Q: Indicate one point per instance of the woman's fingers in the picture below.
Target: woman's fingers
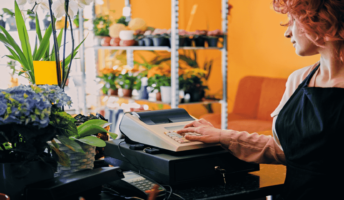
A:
(190, 124)
(187, 130)
(194, 138)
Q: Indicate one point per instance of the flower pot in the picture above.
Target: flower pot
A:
(185, 42)
(12, 23)
(126, 43)
(106, 41)
(127, 92)
(78, 161)
(98, 40)
(148, 41)
(199, 41)
(196, 95)
(141, 42)
(115, 41)
(2, 23)
(160, 41)
(158, 96)
(165, 94)
(46, 23)
(14, 185)
(212, 41)
(113, 92)
(45, 72)
(32, 25)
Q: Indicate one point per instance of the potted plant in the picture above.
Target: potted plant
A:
(199, 37)
(32, 17)
(138, 36)
(148, 38)
(30, 116)
(2, 22)
(184, 38)
(11, 21)
(101, 25)
(46, 21)
(159, 79)
(108, 76)
(127, 80)
(160, 37)
(192, 81)
(213, 37)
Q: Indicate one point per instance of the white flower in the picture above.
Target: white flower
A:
(85, 2)
(21, 2)
(58, 8)
(31, 1)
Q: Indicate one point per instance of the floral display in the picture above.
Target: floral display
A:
(30, 105)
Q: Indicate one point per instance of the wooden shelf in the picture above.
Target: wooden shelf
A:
(150, 48)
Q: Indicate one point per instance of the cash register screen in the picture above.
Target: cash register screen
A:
(174, 128)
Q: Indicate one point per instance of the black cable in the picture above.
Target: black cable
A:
(178, 196)
(169, 191)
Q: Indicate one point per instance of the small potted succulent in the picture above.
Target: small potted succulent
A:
(46, 21)
(160, 37)
(213, 37)
(2, 22)
(138, 35)
(184, 38)
(127, 80)
(11, 21)
(101, 25)
(199, 37)
(148, 38)
(32, 22)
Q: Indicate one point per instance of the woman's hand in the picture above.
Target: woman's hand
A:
(208, 133)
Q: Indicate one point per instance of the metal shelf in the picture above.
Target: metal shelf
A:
(160, 102)
(151, 48)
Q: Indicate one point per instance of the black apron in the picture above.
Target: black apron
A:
(310, 128)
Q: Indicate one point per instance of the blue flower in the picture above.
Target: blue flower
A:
(3, 108)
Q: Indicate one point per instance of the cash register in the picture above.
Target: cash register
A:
(152, 147)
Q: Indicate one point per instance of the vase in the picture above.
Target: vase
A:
(12, 23)
(212, 41)
(112, 92)
(158, 96)
(14, 186)
(78, 161)
(165, 94)
(45, 72)
(127, 92)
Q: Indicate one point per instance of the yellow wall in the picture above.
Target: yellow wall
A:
(256, 45)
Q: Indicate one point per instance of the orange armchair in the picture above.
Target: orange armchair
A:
(257, 97)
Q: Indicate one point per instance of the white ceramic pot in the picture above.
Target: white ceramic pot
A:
(165, 94)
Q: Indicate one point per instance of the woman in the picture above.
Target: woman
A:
(308, 124)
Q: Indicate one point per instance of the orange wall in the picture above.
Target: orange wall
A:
(256, 45)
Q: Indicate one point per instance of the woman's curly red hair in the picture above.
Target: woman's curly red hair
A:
(324, 18)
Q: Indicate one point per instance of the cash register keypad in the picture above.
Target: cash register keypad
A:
(179, 138)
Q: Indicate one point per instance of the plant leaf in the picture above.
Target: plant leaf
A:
(92, 140)
(90, 130)
(44, 44)
(38, 29)
(74, 146)
(55, 144)
(24, 39)
(95, 122)
(113, 135)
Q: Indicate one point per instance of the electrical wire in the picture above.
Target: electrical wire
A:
(178, 196)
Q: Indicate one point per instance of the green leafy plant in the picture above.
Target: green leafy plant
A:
(122, 20)
(8, 12)
(126, 81)
(76, 20)
(157, 81)
(101, 25)
(12, 65)
(110, 82)
(41, 51)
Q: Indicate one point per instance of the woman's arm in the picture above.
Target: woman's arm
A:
(247, 147)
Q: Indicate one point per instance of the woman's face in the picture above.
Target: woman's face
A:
(302, 44)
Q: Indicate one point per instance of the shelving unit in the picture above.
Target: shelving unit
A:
(174, 54)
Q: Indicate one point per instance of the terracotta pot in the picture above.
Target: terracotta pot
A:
(127, 92)
(158, 96)
(113, 92)
(106, 41)
(115, 41)
(126, 43)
